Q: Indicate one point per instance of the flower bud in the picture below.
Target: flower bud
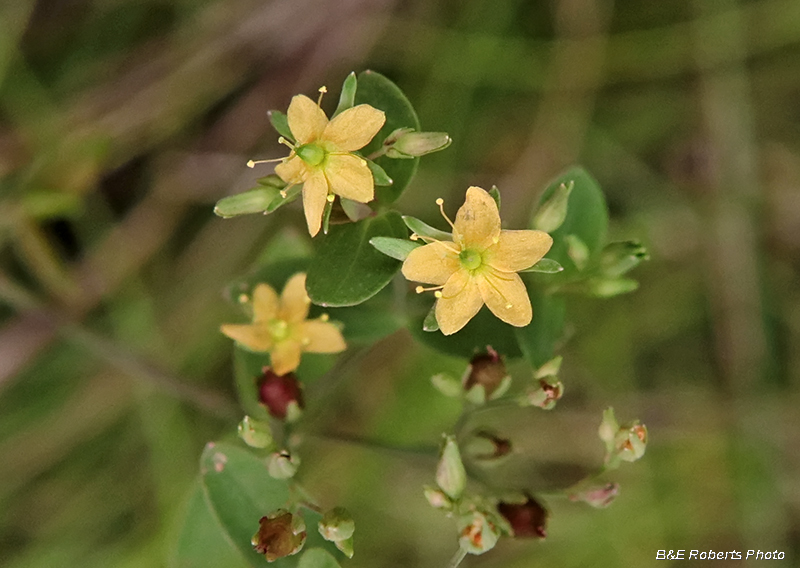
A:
(598, 497)
(279, 534)
(621, 257)
(477, 534)
(577, 251)
(608, 427)
(281, 394)
(255, 434)
(487, 446)
(437, 499)
(451, 476)
(551, 213)
(527, 519)
(552, 367)
(486, 377)
(410, 144)
(337, 525)
(601, 287)
(545, 394)
(282, 465)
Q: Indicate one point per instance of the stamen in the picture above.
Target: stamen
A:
(324, 317)
(283, 193)
(322, 90)
(414, 236)
(508, 305)
(252, 163)
(243, 298)
(330, 197)
(434, 289)
(285, 142)
(440, 203)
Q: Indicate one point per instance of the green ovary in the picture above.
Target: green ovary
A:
(278, 329)
(311, 154)
(470, 259)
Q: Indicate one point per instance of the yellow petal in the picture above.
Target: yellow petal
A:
(322, 337)
(431, 264)
(460, 301)
(306, 119)
(315, 195)
(478, 220)
(265, 303)
(254, 337)
(292, 170)
(285, 356)
(354, 128)
(506, 296)
(349, 176)
(518, 250)
(294, 299)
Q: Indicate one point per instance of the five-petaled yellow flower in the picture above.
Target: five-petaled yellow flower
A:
(478, 266)
(322, 157)
(280, 326)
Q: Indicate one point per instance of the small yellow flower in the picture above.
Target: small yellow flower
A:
(479, 266)
(280, 326)
(322, 157)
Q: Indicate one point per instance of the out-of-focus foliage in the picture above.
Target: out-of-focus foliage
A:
(122, 123)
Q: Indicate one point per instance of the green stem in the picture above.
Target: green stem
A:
(376, 445)
(457, 558)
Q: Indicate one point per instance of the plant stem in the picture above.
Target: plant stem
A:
(457, 558)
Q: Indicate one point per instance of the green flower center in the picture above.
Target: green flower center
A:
(470, 259)
(311, 154)
(278, 329)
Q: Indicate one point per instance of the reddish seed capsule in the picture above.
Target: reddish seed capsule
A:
(528, 520)
(486, 369)
(277, 392)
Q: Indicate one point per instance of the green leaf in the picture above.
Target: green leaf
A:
(317, 558)
(539, 338)
(586, 218)
(482, 330)
(280, 123)
(240, 491)
(254, 201)
(291, 194)
(379, 174)
(376, 90)
(422, 229)
(202, 542)
(345, 269)
(545, 266)
(348, 95)
(396, 248)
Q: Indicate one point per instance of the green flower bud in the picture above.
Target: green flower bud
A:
(551, 213)
(552, 367)
(282, 465)
(255, 434)
(410, 144)
(607, 287)
(437, 499)
(597, 497)
(577, 251)
(345, 546)
(621, 257)
(451, 476)
(608, 427)
(477, 534)
(337, 525)
(253, 201)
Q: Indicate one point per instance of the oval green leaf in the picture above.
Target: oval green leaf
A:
(538, 339)
(345, 269)
(396, 248)
(376, 90)
(317, 558)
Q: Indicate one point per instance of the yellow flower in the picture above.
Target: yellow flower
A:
(478, 266)
(322, 157)
(280, 326)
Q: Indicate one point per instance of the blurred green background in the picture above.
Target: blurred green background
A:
(122, 122)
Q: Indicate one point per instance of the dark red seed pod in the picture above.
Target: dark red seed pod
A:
(528, 520)
(277, 392)
(485, 369)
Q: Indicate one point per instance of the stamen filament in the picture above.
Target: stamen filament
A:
(434, 289)
(252, 163)
(509, 305)
(285, 142)
(322, 90)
